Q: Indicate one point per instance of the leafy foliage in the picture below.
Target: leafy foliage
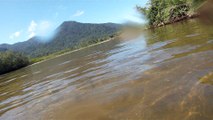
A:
(163, 11)
(10, 61)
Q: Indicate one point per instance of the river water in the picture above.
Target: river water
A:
(162, 74)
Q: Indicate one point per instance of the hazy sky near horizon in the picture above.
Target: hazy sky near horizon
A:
(23, 19)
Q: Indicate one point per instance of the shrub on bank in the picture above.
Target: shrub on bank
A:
(10, 61)
(161, 12)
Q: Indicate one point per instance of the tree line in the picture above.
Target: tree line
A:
(161, 12)
(10, 61)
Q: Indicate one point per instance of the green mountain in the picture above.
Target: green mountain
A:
(69, 35)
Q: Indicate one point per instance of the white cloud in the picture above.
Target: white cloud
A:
(44, 27)
(32, 29)
(41, 28)
(32, 34)
(78, 13)
(15, 35)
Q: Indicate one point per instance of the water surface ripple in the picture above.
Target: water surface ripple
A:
(163, 74)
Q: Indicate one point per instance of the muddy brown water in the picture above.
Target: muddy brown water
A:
(163, 74)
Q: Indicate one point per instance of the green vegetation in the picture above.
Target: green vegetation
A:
(10, 61)
(161, 12)
(69, 35)
(81, 45)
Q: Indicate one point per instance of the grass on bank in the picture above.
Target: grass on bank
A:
(80, 46)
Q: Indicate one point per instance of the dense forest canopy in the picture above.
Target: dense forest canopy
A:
(160, 12)
(10, 61)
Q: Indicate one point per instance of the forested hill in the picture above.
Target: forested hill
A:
(69, 35)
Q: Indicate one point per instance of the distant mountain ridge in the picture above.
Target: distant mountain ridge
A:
(68, 35)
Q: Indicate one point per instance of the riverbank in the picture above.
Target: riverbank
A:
(188, 17)
(61, 53)
(64, 52)
(38, 60)
(11, 61)
(160, 13)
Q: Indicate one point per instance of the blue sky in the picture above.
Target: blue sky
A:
(23, 19)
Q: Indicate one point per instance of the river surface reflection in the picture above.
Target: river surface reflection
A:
(163, 74)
